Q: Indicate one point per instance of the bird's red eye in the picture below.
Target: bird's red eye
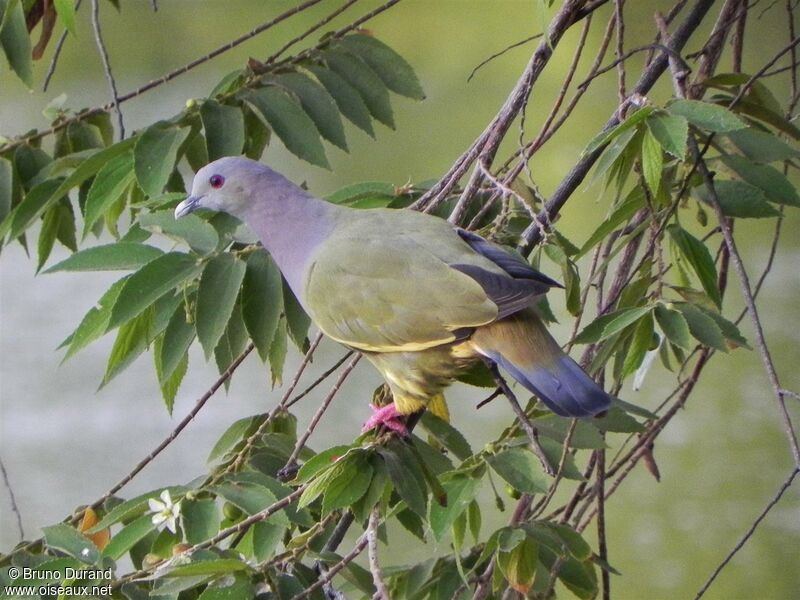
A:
(216, 181)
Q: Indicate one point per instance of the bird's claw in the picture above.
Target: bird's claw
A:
(388, 417)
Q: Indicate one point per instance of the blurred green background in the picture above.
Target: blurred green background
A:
(721, 459)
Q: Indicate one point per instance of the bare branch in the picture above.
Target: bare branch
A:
(57, 53)
(486, 61)
(332, 571)
(382, 592)
(101, 48)
(12, 499)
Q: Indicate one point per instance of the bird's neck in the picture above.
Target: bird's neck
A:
(291, 225)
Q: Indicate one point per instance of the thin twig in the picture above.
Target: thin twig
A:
(332, 571)
(13, 500)
(101, 48)
(486, 61)
(382, 592)
(57, 53)
(749, 533)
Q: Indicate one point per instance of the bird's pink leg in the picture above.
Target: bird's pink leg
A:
(388, 417)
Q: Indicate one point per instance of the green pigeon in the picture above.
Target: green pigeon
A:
(422, 300)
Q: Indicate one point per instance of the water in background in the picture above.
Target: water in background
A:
(64, 443)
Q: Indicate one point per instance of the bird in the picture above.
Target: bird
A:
(422, 300)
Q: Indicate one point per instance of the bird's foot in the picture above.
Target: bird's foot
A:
(388, 417)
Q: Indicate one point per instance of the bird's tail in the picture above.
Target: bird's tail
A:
(521, 345)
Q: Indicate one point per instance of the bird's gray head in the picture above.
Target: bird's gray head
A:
(226, 185)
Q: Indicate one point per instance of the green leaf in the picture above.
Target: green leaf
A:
(237, 588)
(128, 536)
(729, 329)
(6, 187)
(604, 137)
(652, 162)
(297, 321)
(739, 199)
(277, 352)
(200, 519)
(233, 341)
(674, 326)
(347, 99)
(671, 131)
(170, 384)
(640, 344)
(447, 435)
(320, 461)
(198, 234)
(15, 40)
(775, 185)
(47, 192)
(291, 124)
(619, 215)
(584, 436)
(521, 469)
(699, 258)
(107, 188)
(518, 566)
(762, 146)
(148, 284)
(51, 224)
(155, 155)
(607, 325)
(579, 578)
(121, 256)
(392, 68)
(216, 297)
(218, 566)
(130, 509)
(460, 491)
(224, 127)
(266, 538)
(95, 322)
(250, 497)
(766, 115)
(406, 477)
(702, 327)
(262, 300)
(318, 104)
(69, 540)
(178, 336)
(352, 477)
(706, 115)
(369, 86)
(65, 9)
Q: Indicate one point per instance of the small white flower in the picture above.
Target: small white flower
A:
(165, 513)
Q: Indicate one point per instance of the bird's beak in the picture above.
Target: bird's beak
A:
(191, 204)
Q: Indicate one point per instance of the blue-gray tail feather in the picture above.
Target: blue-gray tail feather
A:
(565, 388)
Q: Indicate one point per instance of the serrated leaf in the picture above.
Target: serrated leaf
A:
(121, 256)
(761, 146)
(155, 155)
(739, 199)
(406, 477)
(128, 536)
(15, 40)
(775, 185)
(674, 326)
(320, 461)
(216, 296)
(149, 283)
(392, 68)
(729, 329)
(318, 104)
(671, 131)
(95, 322)
(364, 80)
(763, 113)
(706, 115)
(224, 127)
(702, 327)
(108, 186)
(67, 539)
(521, 469)
(178, 336)
(604, 137)
(640, 344)
(447, 435)
(347, 99)
(198, 234)
(200, 519)
(620, 214)
(262, 300)
(354, 474)
(170, 384)
(65, 9)
(607, 325)
(652, 161)
(699, 258)
(291, 124)
(297, 321)
(248, 496)
(460, 491)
